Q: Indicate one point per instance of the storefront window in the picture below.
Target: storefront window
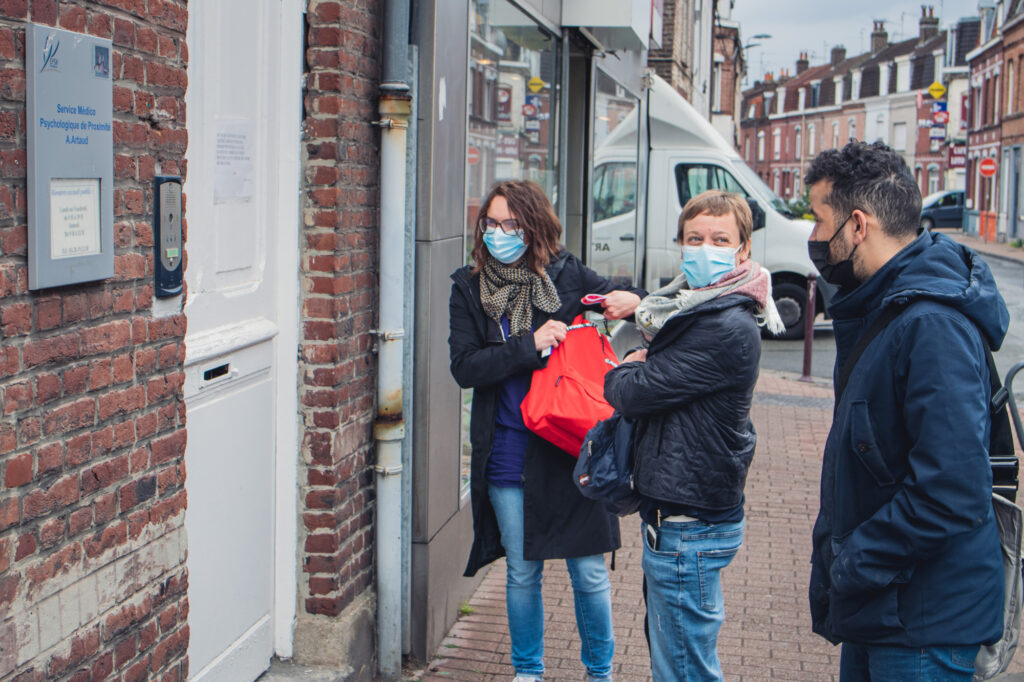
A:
(512, 133)
(614, 187)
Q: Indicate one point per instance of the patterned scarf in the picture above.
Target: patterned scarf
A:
(515, 291)
(748, 279)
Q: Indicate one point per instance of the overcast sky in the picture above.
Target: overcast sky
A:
(814, 26)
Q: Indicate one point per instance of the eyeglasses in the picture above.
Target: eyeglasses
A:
(508, 226)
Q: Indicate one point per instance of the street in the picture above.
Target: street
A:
(787, 356)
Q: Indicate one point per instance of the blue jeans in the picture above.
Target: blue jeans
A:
(685, 609)
(525, 605)
(872, 663)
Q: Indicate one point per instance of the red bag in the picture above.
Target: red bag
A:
(566, 398)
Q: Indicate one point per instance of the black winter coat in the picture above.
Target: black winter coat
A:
(559, 522)
(694, 438)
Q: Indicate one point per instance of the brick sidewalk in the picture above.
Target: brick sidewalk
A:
(767, 632)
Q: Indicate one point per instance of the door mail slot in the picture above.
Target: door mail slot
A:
(219, 371)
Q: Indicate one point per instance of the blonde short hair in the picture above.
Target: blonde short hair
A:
(715, 202)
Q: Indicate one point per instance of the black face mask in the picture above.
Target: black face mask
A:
(841, 273)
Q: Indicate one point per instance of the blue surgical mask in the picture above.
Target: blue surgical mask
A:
(507, 248)
(705, 264)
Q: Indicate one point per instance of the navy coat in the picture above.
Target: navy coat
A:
(906, 550)
(558, 521)
(694, 439)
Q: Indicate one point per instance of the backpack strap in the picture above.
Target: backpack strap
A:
(890, 313)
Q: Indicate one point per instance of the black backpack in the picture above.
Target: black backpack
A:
(604, 469)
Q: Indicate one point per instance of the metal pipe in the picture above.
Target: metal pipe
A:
(394, 107)
(809, 308)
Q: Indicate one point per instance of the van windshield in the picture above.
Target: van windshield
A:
(761, 190)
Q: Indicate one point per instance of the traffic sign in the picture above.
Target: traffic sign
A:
(536, 84)
(936, 90)
(940, 117)
(472, 155)
(529, 110)
(987, 167)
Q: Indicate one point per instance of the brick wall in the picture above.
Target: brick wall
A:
(672, 60)
(339, 259)
(92, 546)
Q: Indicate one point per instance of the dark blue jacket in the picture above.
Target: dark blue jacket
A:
(906, 550)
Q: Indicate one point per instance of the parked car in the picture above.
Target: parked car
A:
(943, 209)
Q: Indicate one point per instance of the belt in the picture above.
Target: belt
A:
(677, 518)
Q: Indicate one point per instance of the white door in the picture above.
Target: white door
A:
(243, 104)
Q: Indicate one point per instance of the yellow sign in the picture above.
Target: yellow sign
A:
(936, 90)
(536, 84)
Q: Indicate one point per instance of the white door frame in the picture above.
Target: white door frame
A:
(290, 78)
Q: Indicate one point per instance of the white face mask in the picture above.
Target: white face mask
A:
(706, 264)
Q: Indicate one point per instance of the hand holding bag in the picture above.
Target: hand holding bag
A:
(566, 398)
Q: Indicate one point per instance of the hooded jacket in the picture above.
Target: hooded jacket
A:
(905, 546)
(558, 521)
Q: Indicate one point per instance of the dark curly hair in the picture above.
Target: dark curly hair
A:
(874, 179)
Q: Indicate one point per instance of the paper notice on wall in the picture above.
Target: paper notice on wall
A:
(234, 165)
(74, 217)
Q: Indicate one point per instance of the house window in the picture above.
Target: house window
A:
(776, 144)
(933, 180)
(852, 124)
(835, 134)
(799, 141)
(899, 137)
(1009, 88)
(777, 182)
(880, 128)
(746, 148)
(760, 146)
(811, 128)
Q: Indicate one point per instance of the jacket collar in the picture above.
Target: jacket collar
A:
(871, 296)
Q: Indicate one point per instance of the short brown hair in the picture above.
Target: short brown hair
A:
(715, 202)
(537, 219)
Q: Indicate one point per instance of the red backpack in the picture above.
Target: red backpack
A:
(566, 398)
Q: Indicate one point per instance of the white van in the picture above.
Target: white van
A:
(687, 156)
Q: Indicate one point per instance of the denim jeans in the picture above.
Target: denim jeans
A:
(685, 608)
(525, 605)
(872, 663)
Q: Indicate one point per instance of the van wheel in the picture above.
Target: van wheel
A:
(790, 299)
(927, 224)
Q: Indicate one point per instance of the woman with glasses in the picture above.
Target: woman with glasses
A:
(507, 311)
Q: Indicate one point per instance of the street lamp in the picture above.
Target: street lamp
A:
(752, 44)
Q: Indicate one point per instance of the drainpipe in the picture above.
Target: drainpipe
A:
(394, 107)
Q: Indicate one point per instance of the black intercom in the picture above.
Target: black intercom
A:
(167, 234)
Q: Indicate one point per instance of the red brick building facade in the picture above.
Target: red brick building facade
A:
(92, 437)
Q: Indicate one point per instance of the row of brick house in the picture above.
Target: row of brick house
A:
(881, 94)
(995, 203)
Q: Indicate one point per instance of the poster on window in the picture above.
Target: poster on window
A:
(504, 104)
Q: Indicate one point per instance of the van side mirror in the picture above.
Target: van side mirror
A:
(757, 212)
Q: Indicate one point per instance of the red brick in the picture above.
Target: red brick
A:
(51, 457)
(18, 470)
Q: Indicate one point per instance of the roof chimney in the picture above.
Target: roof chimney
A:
(802, 64)
(879, 37)
(838, 54)
(929, 23)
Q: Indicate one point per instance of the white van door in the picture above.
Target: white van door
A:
(244, 103)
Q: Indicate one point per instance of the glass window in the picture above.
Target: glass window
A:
(692, 179)
(613, 228)
(810, 139)
(512, 133)
(513, 103)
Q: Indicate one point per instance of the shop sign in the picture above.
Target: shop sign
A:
(508, 147)
(937, 133)
(957, 156)
(532, 125)
(504, 104)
